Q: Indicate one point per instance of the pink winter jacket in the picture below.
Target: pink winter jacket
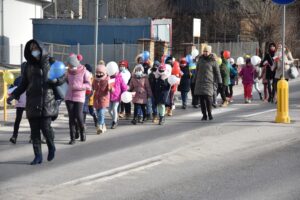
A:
(78, 83)
(101, 93)
(118, 88)
(247, 74)
(142, 88)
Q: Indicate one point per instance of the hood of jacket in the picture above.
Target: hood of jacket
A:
(27, 52)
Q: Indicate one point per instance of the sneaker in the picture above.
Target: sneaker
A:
(133, 122)
(155, 119)
(72, 141)
(104, 128)
(114, 125)
(224, 104)
(127, 116)
(99, 130)
(140, 120)
(121, 115)
(161, 121)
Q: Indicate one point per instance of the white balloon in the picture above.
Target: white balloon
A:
(172, 80)
(195, 53)
(112, 68)
(240, 61)
(126, 97)
(255, 60)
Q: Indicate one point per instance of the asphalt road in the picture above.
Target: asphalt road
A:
(241, 154)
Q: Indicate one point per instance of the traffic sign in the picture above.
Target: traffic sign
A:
(283, 2)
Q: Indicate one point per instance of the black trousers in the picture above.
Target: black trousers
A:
(37, 125)
(222, 91)
(75, 116)
(125, 107)
(136, 110)
(206, 104)
(19, 113)
(230, 90)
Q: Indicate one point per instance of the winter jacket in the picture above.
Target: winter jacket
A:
(225, 72)
(233, 74)
(101, 93)
(247, 74)
(39, 90)
(119, 86)
(288, 59)
(78, 83)
(207, 73)
(269, 64)
(142, 88)
(161, 89)
(151, 79)
(185, 81)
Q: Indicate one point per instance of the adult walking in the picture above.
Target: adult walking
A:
(41, 106)
(207, 72)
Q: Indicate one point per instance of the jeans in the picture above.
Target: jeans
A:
(184, 98)
(154, 106)
(149, 106)
(256, 87)
(75, 117)
(161, 108)
(138, 107)
(113, 110)
(19, 113)
(101, 116)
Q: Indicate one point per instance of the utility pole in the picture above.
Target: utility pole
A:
(96, 33)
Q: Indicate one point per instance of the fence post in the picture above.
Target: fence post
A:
(123, 50)
(78, 48)
(218, 47)
(102, 51)
(51, 50)
(4, 99)
(21, 53)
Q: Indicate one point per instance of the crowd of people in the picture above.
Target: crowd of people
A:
(149, 84)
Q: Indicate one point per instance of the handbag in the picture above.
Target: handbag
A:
(293, 72)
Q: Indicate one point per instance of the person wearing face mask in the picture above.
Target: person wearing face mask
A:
(184, 86)
(141, 86)
(207, 73)
(151, 79)
(101, 90)
(161, 92)
(78, 79)
(41, 106)
(288, 60)
(123, 66)
(268, 73)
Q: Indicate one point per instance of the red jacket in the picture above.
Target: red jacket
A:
(101, 93)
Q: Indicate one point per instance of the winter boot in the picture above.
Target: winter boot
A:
(121, 115)
(161, 120)
(38, 157)
(51, 153)
(127, 116)
(155, 119)
(104, 128)
(148, 116)
(82, 135)
(114, 125)
(100, 129)
(204, 118)
(13, 139)
(224, 104)
(133, 121)
(95, 120)
(140, 119)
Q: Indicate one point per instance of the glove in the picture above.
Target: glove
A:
(53, 81)
(9, 100)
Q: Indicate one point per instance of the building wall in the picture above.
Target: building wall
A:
(17, 27)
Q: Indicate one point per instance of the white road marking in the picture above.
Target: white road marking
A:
(259, 113)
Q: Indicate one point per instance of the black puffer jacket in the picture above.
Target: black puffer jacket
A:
(40, 100)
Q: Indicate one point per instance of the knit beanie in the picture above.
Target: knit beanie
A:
(73, 61)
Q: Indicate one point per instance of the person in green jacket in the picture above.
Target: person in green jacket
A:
(225, 74)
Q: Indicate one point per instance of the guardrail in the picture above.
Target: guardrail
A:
(5, 93)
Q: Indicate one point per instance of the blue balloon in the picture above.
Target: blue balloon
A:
(146, 55)
(57, 70)
(189, 58)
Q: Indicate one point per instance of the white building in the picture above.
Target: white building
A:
(16, 27)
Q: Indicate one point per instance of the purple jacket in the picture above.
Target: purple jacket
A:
(78, 83)
(119, 86)
(247, 74)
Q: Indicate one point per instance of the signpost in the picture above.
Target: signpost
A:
(282, 85)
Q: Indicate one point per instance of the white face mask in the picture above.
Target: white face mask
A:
(73, 68)
(35, 53)
(122, 69)
(139, 73)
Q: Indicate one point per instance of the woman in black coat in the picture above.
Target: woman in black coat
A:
(185, 82)
(41, 106)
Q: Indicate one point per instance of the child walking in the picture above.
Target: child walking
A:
(141, 86)
(247, 74)
(101, 96)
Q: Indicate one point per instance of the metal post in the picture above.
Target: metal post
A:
(96, 32)
(283, 41)
(55, 9)
(21, 53)
(78, 48)
(51, 50)
(102, 51)
(123, 51)
(4, 99)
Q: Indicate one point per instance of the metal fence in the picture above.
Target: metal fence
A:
(236, 49)
(106, 52)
